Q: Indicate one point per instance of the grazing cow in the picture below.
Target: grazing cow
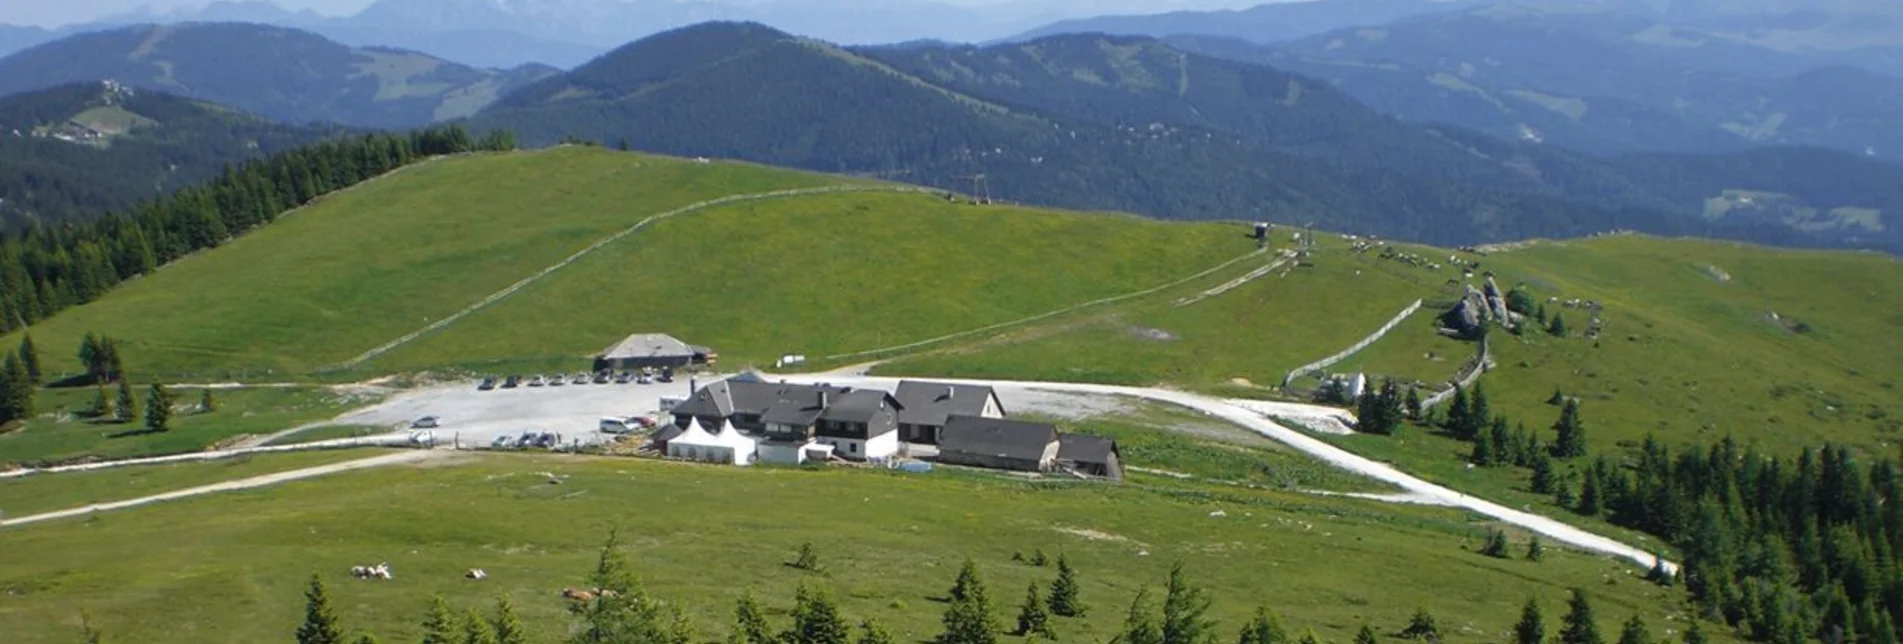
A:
(379, 571)
(577, 595)
(477, 574)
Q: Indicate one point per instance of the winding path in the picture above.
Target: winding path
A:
(1232, 412)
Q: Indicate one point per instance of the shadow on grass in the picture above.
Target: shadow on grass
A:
(135, 432)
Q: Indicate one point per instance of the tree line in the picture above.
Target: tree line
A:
(617, 610)
(46, 269)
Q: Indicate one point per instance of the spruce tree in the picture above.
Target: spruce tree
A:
(1695, 634)
(158, 409)
(1557, 399)
(89, 358)
(1557, 328)
(1484, 453)
(508, 627)
(1502, 440)
(1545, 474)
(30, 358)
(89, 634)
(1184, 610)
(320, 621)
(16, 391)
(1308, 637)
(1264, 628)
(1479, 412)
(1578, 627)
(206, 404)
(1532, 627)
(1571, 442)
(625, 613)
(1540, 313)
(1496, 545)
(1063, 599)
(1535, 551)
(1032, 620)
(125, 407)
(807, 558)
(1563, 493)
(1589, 494)
(870, 632)
(968, 620)
(1634, 632)
(477, 630)
(1138, 626)
(439, 626)
(1414, 403)
(1422, 627)
(1366, 635)
(101, 407)
(1457, 411)
(816, 619)
(749, 626)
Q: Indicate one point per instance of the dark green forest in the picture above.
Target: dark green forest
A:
(45, 269)
(49, 181)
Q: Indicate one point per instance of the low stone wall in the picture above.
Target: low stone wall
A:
(1324, 363)
(1469, 373)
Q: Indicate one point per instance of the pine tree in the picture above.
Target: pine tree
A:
(624, 613)
(1264, 628)
(1496, 545)
(16, 391)
(320, 621)
(1422, 627)
(1184, 610)
(1572, 432)
(158, 409)
(1308, 637)
(1138, 626)
(1557, 399)
(1457, 411)
(1557, 328)
(89, 358)
(1038, 559)
(1502, 440)
(1540, 313)
(477, 630)
(816, 620)
(1532, 627)
(968, 620)
(1634, 632)
(101, 407)
(1366, 635)
(509, 628)
(1545, 475)
(1659, 574)
(1484, 453)
(1064, 601)
(807, 559)
(439, 627)
(749, 626)
(1032, 620)
(1589, 494)
(1414, 403)
(206, 404)
(89, 634)
(1535, 551)
(30, 358)
(870, 632)
(1563, 493)
(1479, 412)
(1695, 634)
(125, 406)
(1578, 627)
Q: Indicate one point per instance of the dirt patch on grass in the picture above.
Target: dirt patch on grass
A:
(1097, 535)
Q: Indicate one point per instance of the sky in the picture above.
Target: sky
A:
(53, 13)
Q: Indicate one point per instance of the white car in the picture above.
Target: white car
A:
(612, 425)
(427, 422)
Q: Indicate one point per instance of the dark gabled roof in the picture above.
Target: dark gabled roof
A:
(1084, 448)
(792, 412)
(668, 432)
(996, 437)
(860, 406)
(715, 400)
(930, 403)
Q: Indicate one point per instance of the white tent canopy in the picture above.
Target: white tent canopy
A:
(695, 444)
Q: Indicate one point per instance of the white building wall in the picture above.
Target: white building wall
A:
(782, 453)
(992, 408)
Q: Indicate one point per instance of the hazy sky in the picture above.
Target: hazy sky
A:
(50, 13)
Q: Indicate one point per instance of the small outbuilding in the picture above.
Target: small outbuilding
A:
(654, 350)
(998, 443)
(1090, 455)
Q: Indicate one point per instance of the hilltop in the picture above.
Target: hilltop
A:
(70, 153)
(283, 74)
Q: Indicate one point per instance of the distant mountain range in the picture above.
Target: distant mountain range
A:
(1132, 124)
(71, 152)
(1265, 23)
(284, 74)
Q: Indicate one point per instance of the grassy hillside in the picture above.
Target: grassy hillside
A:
(814, 274)
(36, 493)
(63, 431)
(889, 543)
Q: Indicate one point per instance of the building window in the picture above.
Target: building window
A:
(852, 448)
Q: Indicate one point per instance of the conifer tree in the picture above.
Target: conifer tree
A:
(1308, 637)
(1184, 610)
(749, 626)
(816, 619)
(1545, 475)
(89, 357)
(507, 626)
(807, 558)
(1557, 398)
(1535, 551)
(89, 634)
(1695, 634)
(1589, 494)
(366, 638)
(1264, 628)
(1557, 328)
(1502, 440)
(1578, 627)
(158, 409)
(968, 620)
(1413, 403)
(1563, 493)
(1138, 626)
(870, 632)
(1366, 635)
(1479, 412)
(1532, 627)
(30, 358)
(439, 626)
(16, 391)
(624, 613)
(1422, 627)
(1496, 544)
(477, 630)
(1457, 411)
(1571, 442)
(1484, 453)
(101, 407)
(1540, 313)
(1063, 598)
(320, 620)
(1634, 632)
(125, 407)
(206, 404)
(1032, 620)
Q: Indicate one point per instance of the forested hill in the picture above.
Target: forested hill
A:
(283, 74)
(73, 152)
(1126, 123)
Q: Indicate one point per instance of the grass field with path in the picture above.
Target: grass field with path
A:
(61, 431)
(36, 493)
(701, 536)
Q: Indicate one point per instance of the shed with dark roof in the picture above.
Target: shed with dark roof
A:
(998, 443)
(1092, 455)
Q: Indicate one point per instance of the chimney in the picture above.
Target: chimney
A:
(822, 399)
(693, 387)
(949, 390)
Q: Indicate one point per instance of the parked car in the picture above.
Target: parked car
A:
(612, 425)
(624, 378)
(502, 442)
(602, 377)
(488, 383)
(644, 380)
(667, 374)
(581, 378)
(557, 380)
(527, 440)
(427, 422)
(536, 381)
(511, 382)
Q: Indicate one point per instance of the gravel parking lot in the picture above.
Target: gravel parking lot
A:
(473, 416)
